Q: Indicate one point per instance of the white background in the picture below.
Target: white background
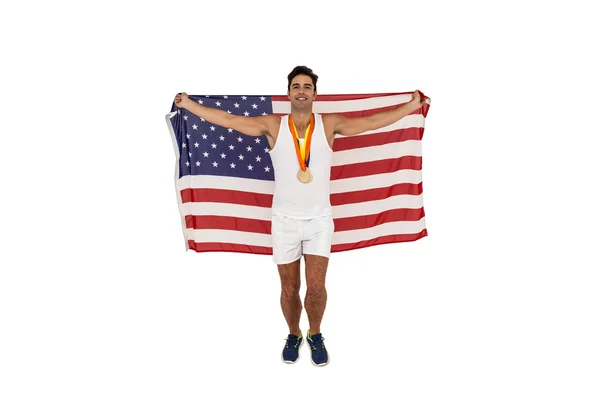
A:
(99, 300)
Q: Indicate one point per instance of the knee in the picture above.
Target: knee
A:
(290, 288)
(315, 287)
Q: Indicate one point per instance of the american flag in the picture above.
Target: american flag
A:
(224, 179)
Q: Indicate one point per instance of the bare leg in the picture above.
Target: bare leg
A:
(291, 305)
(316, 294)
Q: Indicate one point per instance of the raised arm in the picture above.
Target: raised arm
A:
(253, 126)
(346, 126)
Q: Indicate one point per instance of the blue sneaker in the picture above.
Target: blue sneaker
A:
(319, 357)
(290, 351)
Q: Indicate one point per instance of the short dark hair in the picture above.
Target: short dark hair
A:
(302, 70)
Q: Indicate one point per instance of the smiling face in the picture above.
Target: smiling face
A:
(302, 93)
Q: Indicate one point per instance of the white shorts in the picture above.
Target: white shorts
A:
(291, 237)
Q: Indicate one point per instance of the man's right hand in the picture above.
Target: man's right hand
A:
(181, 99)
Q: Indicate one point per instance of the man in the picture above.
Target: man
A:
(302, 223)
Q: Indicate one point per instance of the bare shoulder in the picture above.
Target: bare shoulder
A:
(272, 122)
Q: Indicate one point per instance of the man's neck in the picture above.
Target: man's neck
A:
(301, 120)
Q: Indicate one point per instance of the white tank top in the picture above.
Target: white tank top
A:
(291, 197)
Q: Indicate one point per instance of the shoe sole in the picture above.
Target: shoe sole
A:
(319, 365)
(293, 362)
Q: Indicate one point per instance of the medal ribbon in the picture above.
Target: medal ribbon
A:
(304, 158)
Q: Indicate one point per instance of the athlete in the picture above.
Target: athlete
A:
(302, 224)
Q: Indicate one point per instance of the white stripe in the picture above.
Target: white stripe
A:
(226, 183)
(410, 121)
(336, 106)
(391, 228)
(261, 239)
(341, 211)
(375, 181)
(227, 236)
(376, 153)
(267, 187)
(378, 206)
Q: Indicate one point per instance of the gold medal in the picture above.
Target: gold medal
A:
(304, 175)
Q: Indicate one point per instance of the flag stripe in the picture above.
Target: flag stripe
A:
(341, 143)
(407, 237)
(341, 237)
(237, 197)
(388, 151)
(260, 186)
(243, 210)
(346, 106)
(375, 167)
(229, 247)
(267, 250)
(264, 226)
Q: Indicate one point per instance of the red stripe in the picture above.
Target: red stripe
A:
(266, 200)
(360, 196)
(226, 196)
(228, 247)
(228, 223)
(367, 221)
(264, 227)
(376, 167)
(376, 139)
(240, 248)
(380, 240)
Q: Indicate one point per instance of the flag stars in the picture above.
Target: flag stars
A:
(240, 139)
(264, 113)
(205, 154)
(187, 163)
(236, 105)
(188, 136)
(254, 106)
(262, 98)
(249, 148)
(222, 138)
(232, 165)
(197, 163)
(196, 145)
(246, 113)
(190, 153)
(215, 164)
(185, 117)
(183, 145)
(218, 104)
(267, 169)
(250, 167)
(204, 136)
(202, 119)
(214, 145)
(230, 130)
(241, 156)
(223, 155)
(244, 97)
(266, 149)
(231, 147)
(195, 127)
(225, 97)
(212, 128)
(258, 158)
(200, 101)
(257, 140)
